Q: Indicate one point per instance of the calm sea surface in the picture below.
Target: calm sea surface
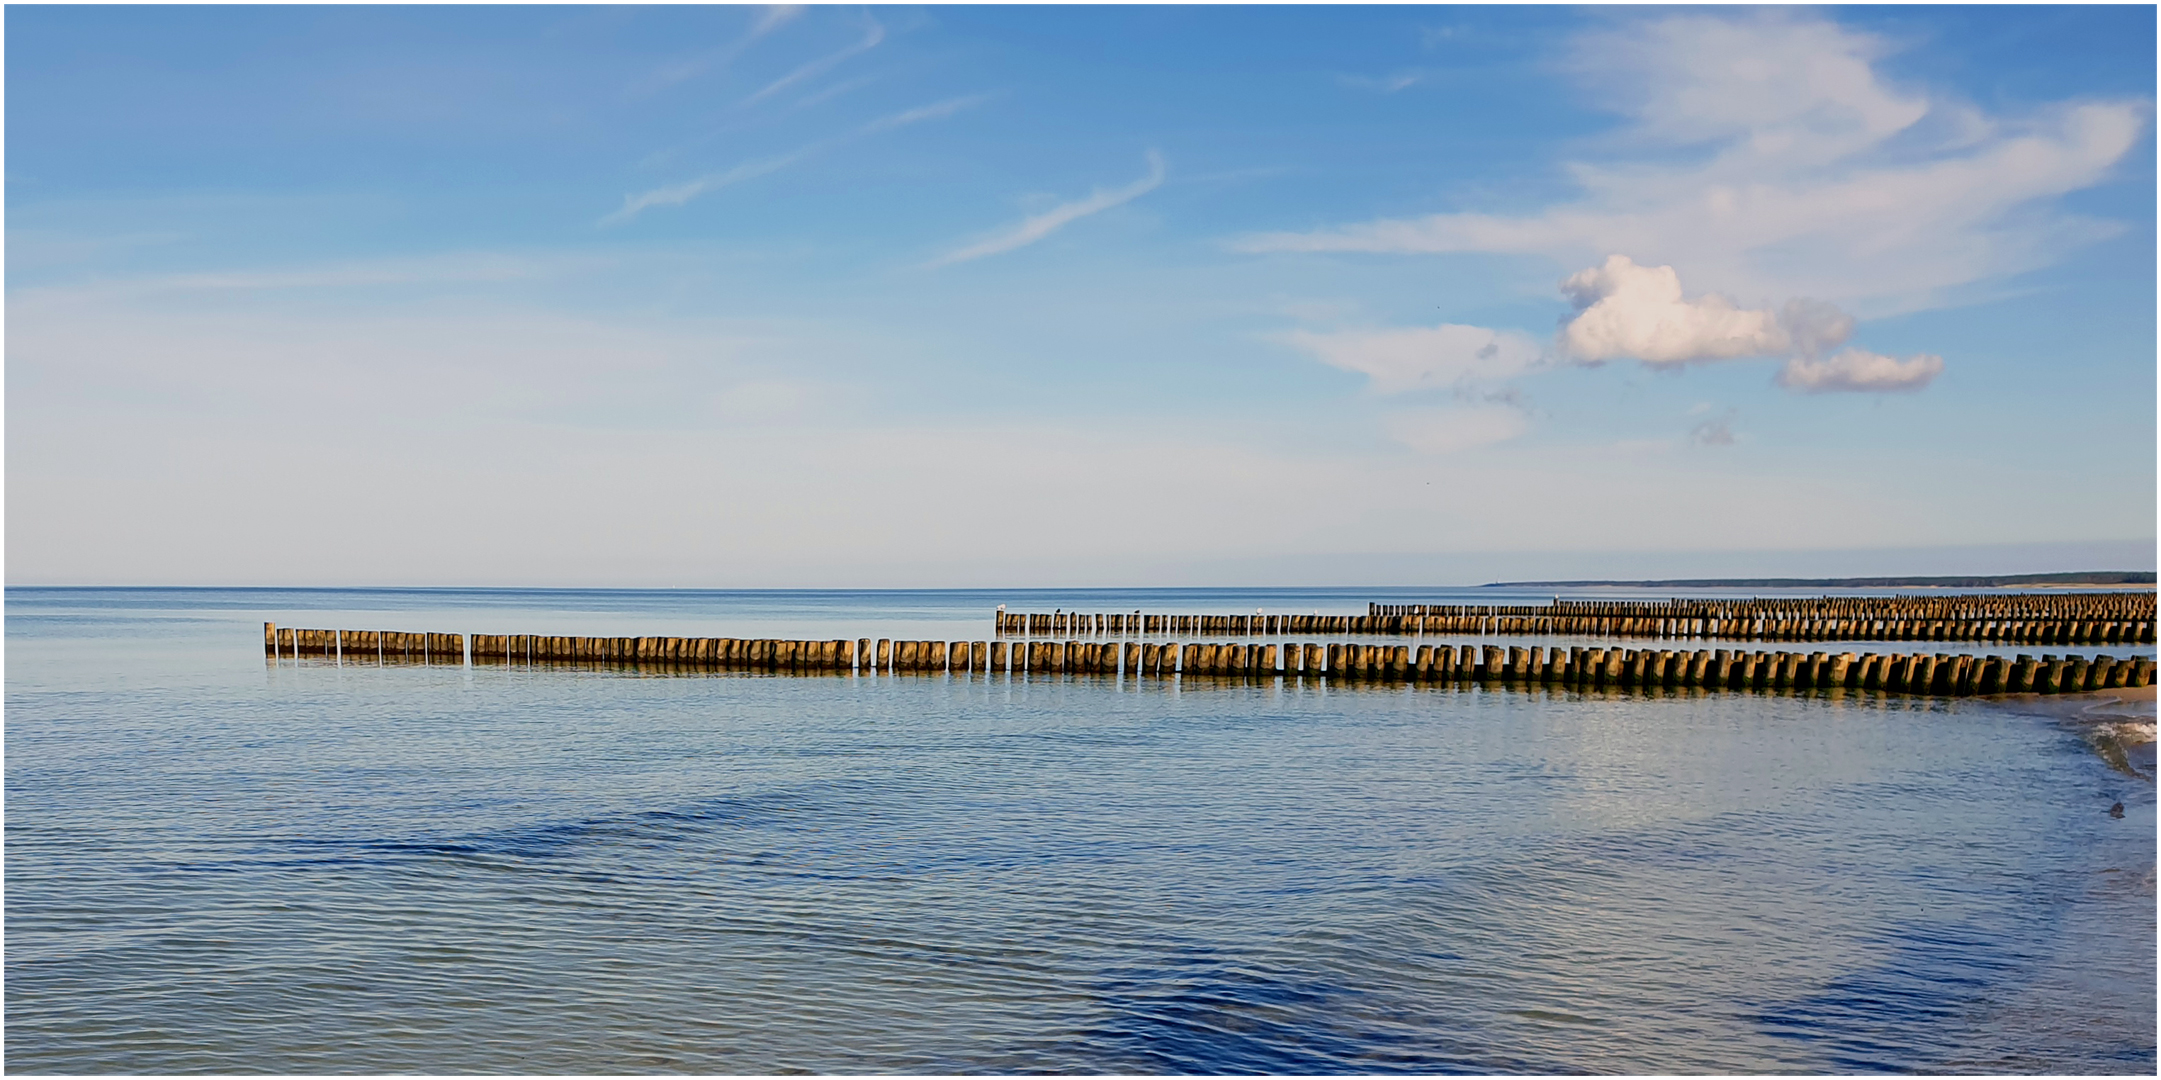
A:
(218, 864)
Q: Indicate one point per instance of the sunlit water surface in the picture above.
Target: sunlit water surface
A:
(217, 864)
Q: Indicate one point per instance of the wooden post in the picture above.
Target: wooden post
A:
(1841, 668)
(2114, 673)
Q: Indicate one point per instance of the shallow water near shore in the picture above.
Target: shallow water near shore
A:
(221, 865)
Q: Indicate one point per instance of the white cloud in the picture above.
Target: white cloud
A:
(1766, 153)
(1625, 310)
(937, 110)
(1452, 430)
(834, 91)
(1717, 431)
(871, 37)
(1859, 370)
(1389, 84)
(679, 194)
(1813, 327)
(1049, 221)
(773, 18)
(1421, 357)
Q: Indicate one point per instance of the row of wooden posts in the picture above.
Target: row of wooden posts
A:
(2120, 605)
(1745, 627)
(1917, 673)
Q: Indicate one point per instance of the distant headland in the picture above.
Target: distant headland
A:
(2089, 577)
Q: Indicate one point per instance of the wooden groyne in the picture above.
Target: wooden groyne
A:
(1575, 666)
(2065, 619)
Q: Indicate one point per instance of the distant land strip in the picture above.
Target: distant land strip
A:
(2088, 577)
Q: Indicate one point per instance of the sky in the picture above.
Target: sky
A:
(992, 296)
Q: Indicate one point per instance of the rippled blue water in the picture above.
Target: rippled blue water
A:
(215, 864)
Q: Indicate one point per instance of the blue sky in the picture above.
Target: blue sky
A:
(1070, 296)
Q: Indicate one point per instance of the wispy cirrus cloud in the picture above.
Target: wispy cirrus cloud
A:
(871, 37)
(833, 91)
(681, 193)
(772, 18)
(1766, 154)
(678, 194)
(937, 110)
(1405, 358)
(1384, 84)
(1036, 227)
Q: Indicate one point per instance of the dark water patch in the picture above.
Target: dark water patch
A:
(1901, 1015)
(1201, 1015)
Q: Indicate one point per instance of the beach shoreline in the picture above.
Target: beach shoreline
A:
(2118, 723)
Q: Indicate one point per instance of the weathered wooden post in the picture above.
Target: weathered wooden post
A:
(2109, 672)
(1921, 676)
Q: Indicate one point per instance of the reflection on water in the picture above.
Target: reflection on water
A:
(218, 865)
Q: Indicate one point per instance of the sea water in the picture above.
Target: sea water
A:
(218, 863)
